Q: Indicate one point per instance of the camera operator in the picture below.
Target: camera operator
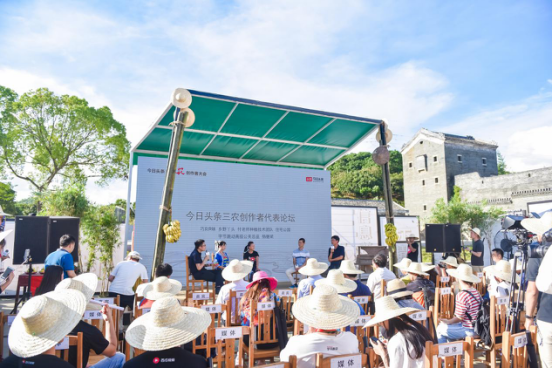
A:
(533, 295)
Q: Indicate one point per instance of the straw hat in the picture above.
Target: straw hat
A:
(464, 273)
(258, 276)
(452, 261)
(335, 278)
(325, 309)
(397, 288)
(403, 264)
(237, 270)
(387, 308)
(313, 267)
(417, 268)
(347, 267)
(167, 325)
(85, 283)
(426, 267)
(502, 270)
(537, 225)
(161, 287)
(476, 230)
(2, 214)
(5, 234)
(44, 321)
(411, 235)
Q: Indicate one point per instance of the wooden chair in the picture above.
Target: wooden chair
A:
(291, 363)
(363, 301)
(233, 308)
(74, 341)
(262, 334)
(5, 321)
(425, 317)
(514, 353)
(287, 299)
(383, 291)
(442, 282)
(357, 329)
(444, 302)
(205, 340)
(225, 344)
(481, 287)
(342, 361)
(450, 353)
(131, 352)
(193, 285)
(299, 328)
(297, 277)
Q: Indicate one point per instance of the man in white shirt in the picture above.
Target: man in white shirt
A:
(313, 270)
(501, 276)
(299, 258)
(123, 278)
(380, 272)
(235, 273)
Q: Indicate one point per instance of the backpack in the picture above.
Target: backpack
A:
(482, 322)
(281, 327)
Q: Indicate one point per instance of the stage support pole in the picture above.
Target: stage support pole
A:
(387, 187)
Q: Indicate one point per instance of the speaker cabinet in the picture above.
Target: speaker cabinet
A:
(58, 226)
(30, 233)
(443, 238)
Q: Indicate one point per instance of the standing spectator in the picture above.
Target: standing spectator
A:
(380, 272)
(123, 278)
(235, 273)
(325, 312)
(467, 304)
(51, 278)
(412, 248)
(477, 252)
(352, 273)
(313, 270)
(396, 288)
(163, 331)
(197, 266)
(336, 253)
(43, 322)
(251, 255)
(221, 256)
(63, 257)
(299, 258)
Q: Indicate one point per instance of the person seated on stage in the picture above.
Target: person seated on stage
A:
(162, 270)
(235, 273)
(299, 259)
(380, 272)
(313, 270)
(406, 337)
(501, 274)
(352, 273)
(251, 255)
(325, 312)
(51, 278)
(10, 278)
(417, 275)
(467, 304)
(197, 266)
(344, 286)
(163, 331)
(221, 256)
(336, 253)
(41, 323)
(93, 339)
(63, 257)
(396, 288)
(403, 265)
(161, 287)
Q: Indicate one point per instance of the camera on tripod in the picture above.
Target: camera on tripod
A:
(524, 238)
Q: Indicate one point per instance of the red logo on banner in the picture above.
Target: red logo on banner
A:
(308, 179)
(156, 360)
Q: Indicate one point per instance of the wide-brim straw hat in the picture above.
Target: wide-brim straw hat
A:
(237, 270)
(477, 231)
(416, 268)
(387, 308)
(348, 267)
(335, 278)
(313, 267)
(426, 267)
(464, 273)
(501, 270)
(167, 325)
(2, 214)
(538, 226)
(396, 288)
(452, 261)
(403, 264)
(5, 234)
(258, 276)
(85, 283)
(161, 287)
(44, 321)
(411, 235)
(325, 309)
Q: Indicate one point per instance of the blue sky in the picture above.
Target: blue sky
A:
(480, 68)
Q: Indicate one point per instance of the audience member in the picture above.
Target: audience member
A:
(43, 322)
(197, 266)
(163, 331)
(412, 248)
(221, 256)
(336, 253)
(162, 270)
(352, 273)
(342, 285)
(501, 275)
(253, 256)
(299, 259)
(63, 257)
(467, 304)
(497, 255)
(325, 312)
(313, 270)
(396, 288)
(161, 287)
(380, 272)
(406, 338)
(235, 273)
(52, 276)
(260, 290)
(477, 252)
(403, 265)
(418, 282)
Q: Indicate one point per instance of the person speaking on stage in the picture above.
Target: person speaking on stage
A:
(253, 256)
(197, 266)
(336, 253)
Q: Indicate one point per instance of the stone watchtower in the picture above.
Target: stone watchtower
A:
(431, 160)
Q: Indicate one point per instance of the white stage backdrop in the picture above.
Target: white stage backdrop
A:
(272, 206)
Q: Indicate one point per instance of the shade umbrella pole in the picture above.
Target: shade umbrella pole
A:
(387, 187)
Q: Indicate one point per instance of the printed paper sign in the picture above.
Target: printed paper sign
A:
(264, 306)
(212, 309)
(480, 274)
(240, 294)
(200, 296)
(353, 361)
(105, 300)
(224, 333)
(361, 321)
(284, 293)
(145, 310)
(361, 299)
(92, 315)
(445, 290)
(63, 345)
(10, 319)
(451, 349)
(503, 300)
(444, 279)
(418, 316)
(520, 341)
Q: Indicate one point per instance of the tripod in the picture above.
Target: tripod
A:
(27, 291)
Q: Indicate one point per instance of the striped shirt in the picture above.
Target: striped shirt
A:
(301, 256)
(467, 304)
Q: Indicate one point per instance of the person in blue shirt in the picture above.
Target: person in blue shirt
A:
(352, 273)
(299, 258)
(63, 257)
(221, 256)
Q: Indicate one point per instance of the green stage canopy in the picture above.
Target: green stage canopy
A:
(246, 131)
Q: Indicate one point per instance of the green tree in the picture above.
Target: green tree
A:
(7, 198)
(69, 200)
(45, 138)
(26, 206)
(501, 165)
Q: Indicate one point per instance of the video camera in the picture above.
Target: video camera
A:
(524, 238)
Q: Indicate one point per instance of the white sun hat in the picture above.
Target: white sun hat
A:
(161, 287)
(167, 325)
(335, 278)
(397, 289)
(5, 234)
(237, 270)
(452, 261)
(502, 270)
(387, 308)
(476, 230)
(464, 273)
(2, 214)
(412, 235)
(134, 255)
(325, 309)
(44, 321)
(417, 268)
(403, 264)
(313, 267)
(85, 283)
(348, 267)
(538, 225)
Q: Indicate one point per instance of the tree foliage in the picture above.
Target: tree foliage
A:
(69, 200)
(501, 165)
(45, 138)
(357, 176)
(7, 198)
